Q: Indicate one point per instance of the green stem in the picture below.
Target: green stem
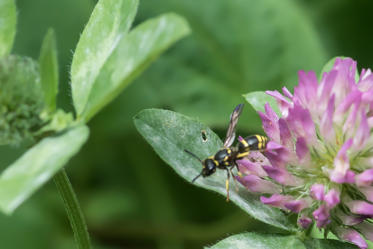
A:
(73, 210)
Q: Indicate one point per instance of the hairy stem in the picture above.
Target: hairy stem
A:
(73, 210)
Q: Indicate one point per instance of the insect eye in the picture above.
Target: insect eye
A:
(204, 135)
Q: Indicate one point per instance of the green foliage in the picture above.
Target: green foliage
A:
(38, 165)
(21, 99)
(170, 133)
(8, 21)
(141, 47)
(49, 70)
(259, 241)
(270, 241)
(106, 60)
(129, 55)
(109, 22)
(258, 100)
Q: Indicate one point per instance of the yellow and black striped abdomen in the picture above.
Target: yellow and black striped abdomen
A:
(254, 142)
(262, 142)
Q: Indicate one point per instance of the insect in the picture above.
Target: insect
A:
(226, 157)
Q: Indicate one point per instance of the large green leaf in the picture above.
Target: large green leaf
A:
(8, 19)
(37, 166)
(328, 244)
(274, 241)
(48, 66)
(109, 22)
(259, 241)
(171, 133)
(131, 56)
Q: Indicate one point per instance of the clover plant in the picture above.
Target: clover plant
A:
(107, 58)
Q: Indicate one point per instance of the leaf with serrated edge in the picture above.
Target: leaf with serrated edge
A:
(48, 65)
(109, 22)
(8, 20)
(38, 165)
(131, 56)
(258, 99)
(169, 133)
(259, 241)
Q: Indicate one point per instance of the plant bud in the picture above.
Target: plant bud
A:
(21, 99)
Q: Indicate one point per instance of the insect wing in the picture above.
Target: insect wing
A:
(229, 138)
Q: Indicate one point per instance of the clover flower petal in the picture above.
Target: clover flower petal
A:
(351, 236)
(304, 222)
(317, 191)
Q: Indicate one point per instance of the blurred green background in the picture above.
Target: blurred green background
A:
(130, 198)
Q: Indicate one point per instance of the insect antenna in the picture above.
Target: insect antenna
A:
(195, 156)
(195, 178)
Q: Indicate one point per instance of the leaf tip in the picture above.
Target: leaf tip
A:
(180, 22)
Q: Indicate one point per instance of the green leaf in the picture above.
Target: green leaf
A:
(37, 166)
(328, 244)
(170, 133)
(329, 66)
(131, 56)
(274, 241)
(259, 241)
(8, 19)
(108, 24)
(258, 99)
(48, 65)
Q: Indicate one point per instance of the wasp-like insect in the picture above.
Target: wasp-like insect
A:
(226, 157)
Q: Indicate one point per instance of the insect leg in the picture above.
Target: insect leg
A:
(234, 179)
(238, 170)
(227, 184)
